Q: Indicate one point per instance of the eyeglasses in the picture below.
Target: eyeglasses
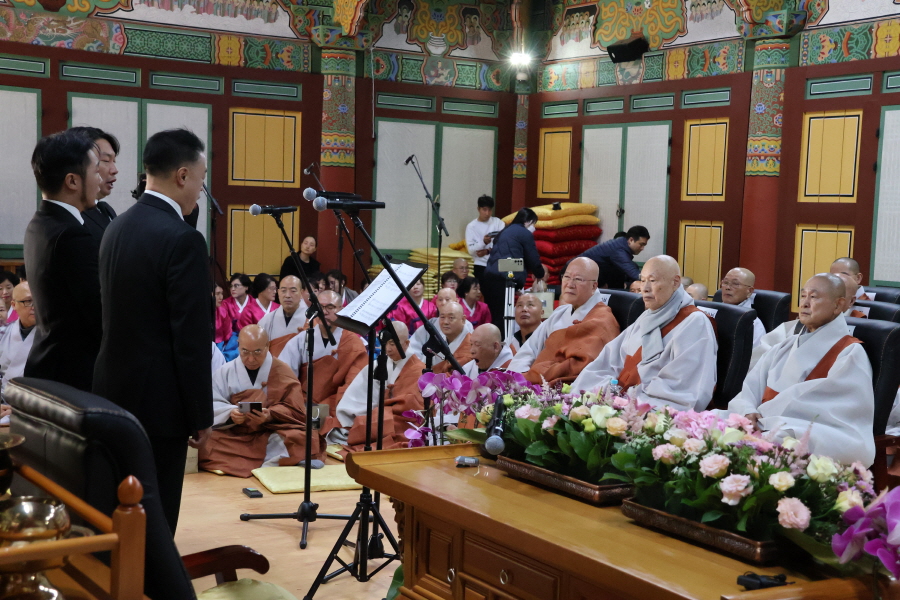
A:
(732, 284)
(237, 285)
(329, 308)
(25, 303)
(257, 352)
(577, 280)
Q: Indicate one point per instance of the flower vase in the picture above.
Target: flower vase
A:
(438, 69)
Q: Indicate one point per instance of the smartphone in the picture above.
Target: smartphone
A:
(246, 407)
(252, 493)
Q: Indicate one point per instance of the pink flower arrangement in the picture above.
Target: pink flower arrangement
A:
(734, 488)
(668, 454)
(532, 413)
(793, 514)
(715, 466)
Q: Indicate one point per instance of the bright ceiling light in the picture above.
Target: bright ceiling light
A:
(520, 59)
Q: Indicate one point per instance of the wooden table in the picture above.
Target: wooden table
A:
(477, 534)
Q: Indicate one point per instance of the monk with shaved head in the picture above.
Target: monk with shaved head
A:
(488, 350)
(851, 287)
(850, 267)
(286, 321)
(697, 291)
(529, 312)
(574, 334)
(452, 325)
(668, 356)
(819, 378)
(737, 289)
(258, 411)
(420, 337)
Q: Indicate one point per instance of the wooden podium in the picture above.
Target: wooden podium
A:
(477, 534)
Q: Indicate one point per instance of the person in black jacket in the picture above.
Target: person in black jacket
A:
(515, 241)
(61, 259)
(154, 277)
(98, 218)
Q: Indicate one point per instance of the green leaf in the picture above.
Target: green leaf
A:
(615, 476)
(624, 460)
(562, 439)
(537, 448)
(742, 524)
(478, 436)
(581, 444)
(711, 515)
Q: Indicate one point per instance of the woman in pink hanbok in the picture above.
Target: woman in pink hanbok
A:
(405, 312)
(263, 291)
(235, 304)
(476, 312)
(223, 320)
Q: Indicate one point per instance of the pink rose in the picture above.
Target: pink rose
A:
(620, 402)
(549, 422)
(694, 446)
(579, 414)
(735, 487)
(532, 413)
(793, 514)
(668, 454)
(740, 422)
(714, 466)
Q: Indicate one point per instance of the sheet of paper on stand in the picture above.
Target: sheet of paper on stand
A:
(376, 300)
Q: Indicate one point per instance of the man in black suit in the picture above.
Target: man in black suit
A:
(154, 278)
(97, 219)
(61, 260)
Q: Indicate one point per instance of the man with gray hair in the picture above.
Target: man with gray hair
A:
(820, 378)
(737, 289)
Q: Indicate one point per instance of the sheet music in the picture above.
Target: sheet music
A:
(380, 296)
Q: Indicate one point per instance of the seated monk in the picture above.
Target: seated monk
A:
(737, 289)
(218, 359)
(16, 342)
(241, 442)
(400, 394)
(287, 320)
(529, 310)
(487, 350)
(820, 377)
(849, 267)
(452, 329)
(668, 356)
(334, 367)
(635, 287)
(419, 338)
(852, 288)
(697, 291)
(574, 334)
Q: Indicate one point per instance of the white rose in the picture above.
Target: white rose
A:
(821, 468)
(847, 500)
(781, 481)
(676, 436)
(731, 436)
(789, 443)
(600, 413)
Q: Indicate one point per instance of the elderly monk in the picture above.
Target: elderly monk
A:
(574, 334)
(452, 330)
(419, 338)
(218, 359)
(668, 356)
(737, 289)
(286, 321)
(635, 287)
(275, 435)
(848, 266)
(400, 395)
(819, 378)
(697, 291)
(686, 281)
(488, 351)
(529, 310)
(461, 268)
(851, 288)
(334, 367)
(16, 342)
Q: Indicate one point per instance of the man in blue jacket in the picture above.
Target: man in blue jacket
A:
(614, 257)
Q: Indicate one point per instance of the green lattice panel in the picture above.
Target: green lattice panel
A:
(825, 46)
(411, 69)
(606, 73)
(467, 75)
(164, 44)
(653, 67)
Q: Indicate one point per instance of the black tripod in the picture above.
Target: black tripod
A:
(306, 513)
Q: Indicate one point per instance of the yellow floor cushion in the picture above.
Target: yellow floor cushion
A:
(567, 222)
(288, 480)
(568, 209)
(246, 589)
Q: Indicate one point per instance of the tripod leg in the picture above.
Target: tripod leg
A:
(323, 577)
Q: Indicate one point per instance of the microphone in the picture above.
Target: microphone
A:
(308, 169)
(310, 194)
(257, 210)
(406, 162)
(321, 204)
(495, 444)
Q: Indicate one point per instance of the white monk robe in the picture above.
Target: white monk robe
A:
(14, 352)
(218, 359)
(683, 375)
(295, 355)
(759, 330)
(277, 326)
(773, 338)
(419, 338)
(561, 318)
(454, 346)
(471, 369)
(840, 406)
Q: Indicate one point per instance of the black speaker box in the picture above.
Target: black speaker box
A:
(628, 50)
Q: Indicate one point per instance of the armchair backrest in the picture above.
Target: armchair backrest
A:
(772, 308)
(625, 306)
(883, 294)
(734, 330)
(88, 445)
(881, 341)
(879, 311)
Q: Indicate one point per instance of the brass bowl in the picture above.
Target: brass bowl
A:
(27, 520)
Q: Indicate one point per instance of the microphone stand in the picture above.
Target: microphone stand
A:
(436, 209)
(214, 257)
(337, 215)
(306, 513)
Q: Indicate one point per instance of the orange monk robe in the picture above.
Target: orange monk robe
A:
(241, 448)
(278, 344)
(461, 352)
(335, 371)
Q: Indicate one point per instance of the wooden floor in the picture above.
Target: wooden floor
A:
(210, 511)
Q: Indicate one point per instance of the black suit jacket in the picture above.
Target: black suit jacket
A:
(154, 359)
(61, 262)
(97, 219)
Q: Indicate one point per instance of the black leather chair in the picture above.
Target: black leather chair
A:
(883, 294)
(88, 445)
(772, 308)
(880, 311)
(734, 330)
(625, 306)
(881, 341)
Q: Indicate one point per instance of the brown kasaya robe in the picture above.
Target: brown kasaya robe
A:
(463, 354)
(278, 344)
(333, 373)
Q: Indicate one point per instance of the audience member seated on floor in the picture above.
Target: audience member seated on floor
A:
(529, 310)
(8, 282)
(401, 393)
(16, 343)
(635, 287)
(737, 289)
(851, 288)
(574, 334)
(668, 356)
(476, 312)
(405, 312)
(218, 359)
(418, 339)
(337, 282)
(272, 436)
(487, 350)
(317, 282)
(263, 291)
(849, 266)
(697, 291)
(452, 325)
(3, 314)
(334, 367)
(820, 378)
(449, 280)
(237, 302)
(461, 268)
(287, 320)
(223, 324)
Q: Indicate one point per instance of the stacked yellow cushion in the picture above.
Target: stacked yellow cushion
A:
(567, 209)
(428, 256)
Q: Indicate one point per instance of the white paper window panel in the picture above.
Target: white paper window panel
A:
(405, 222)
(647, 184)
(887, 216)
(601, 175)
(160, 117)
(120, 118)
(18, 193)
(468, 159)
